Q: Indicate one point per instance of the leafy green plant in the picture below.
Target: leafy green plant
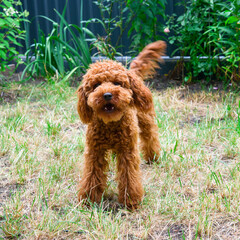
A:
(140, 18)
(11, 32)
(145, 25)
(55, 54)
(198, 33)
(238, 118)
(231, 41)
(105, 49)
(110, 23)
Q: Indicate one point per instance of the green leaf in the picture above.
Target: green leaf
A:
(66, 78)
(227, 30)
(3, 55)
(8, 4)
(2, 22)
(232, 19)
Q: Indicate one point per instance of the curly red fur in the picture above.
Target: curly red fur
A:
(84, 111)
(147, 61)
(118, 108)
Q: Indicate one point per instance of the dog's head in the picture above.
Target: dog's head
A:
(108, 89)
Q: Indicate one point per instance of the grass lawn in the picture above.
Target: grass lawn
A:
(194, 193)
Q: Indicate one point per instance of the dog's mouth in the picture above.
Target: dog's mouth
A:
(109, 108)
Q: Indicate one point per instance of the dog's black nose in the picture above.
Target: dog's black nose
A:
(107, 96)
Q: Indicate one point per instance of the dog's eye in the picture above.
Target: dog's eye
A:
(96, 85)
(117, 83)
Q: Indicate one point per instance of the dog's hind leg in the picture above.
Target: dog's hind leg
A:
(150, 145)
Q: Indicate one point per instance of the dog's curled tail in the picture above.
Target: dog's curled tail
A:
(146, 62)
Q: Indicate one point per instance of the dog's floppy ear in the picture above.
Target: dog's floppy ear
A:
(141, 94)
(84, 111)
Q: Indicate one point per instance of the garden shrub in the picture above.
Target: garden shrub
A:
(146, 26)
(201, 33)
(10, 32)
(231, 41)
(109, 23)
(139, 17)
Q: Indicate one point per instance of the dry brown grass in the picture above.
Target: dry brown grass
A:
(193, 193)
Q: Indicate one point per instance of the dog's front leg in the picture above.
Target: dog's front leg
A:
(129, 178)
(93, 182)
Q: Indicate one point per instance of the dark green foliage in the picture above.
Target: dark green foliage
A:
(230, 41)
(11, 32)
(207, 31)
(55, 54)
(109, 23)
(140, 17)
(146, 26)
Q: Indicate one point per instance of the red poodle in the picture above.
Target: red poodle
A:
(118, 108)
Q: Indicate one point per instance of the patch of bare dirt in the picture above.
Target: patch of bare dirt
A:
(160, 82)
(6, 187)
(9, 96)
(174, 231)
(4, 181)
